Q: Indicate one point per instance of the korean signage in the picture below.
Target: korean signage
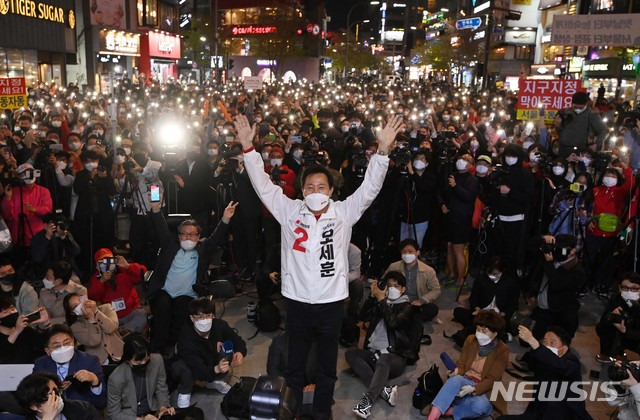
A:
(471, 23)
(253, 82)
(164, 45)
(621, 30)
(254, 30)
(608, 68)
(548, 94)
(575, 65)
(13, 93)
(119, 43)
(520, 37)
(37, 10)
(108, 13)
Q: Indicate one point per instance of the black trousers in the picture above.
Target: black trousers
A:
(426, 311)
(181, 373)
(375, 373)
(142, 237)
(612, 342)
(169, 315)
(305, 323)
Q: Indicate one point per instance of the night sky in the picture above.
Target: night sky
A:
(338, 9)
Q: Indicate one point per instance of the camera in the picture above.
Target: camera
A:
(276, 173)
(614, 318)
(559, 253)
(360, 161)
(601, 161)
(499, 176)
(382, 284)
(401, 156)
(619, 373)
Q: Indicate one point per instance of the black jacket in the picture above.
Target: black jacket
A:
(563, 285)
(506, 291)
(419, 192)
(548, 367)
(170, 245)
(461, 199)
(633, 327)
(77, 410)
(237, 187)
(195, 196)
(201, 354)
(45, 252)
(397, 318)
(93, 195)
(520, 182)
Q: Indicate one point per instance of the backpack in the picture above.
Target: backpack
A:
(236, 402)
(429, 384)
(267, 317)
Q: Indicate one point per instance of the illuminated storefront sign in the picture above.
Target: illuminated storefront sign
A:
(254, 30)
(164, 45)
(36, 10)
(118, 42)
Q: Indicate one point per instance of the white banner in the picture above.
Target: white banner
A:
(253, 82)
(621, 30)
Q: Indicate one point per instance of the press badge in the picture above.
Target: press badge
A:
(119, 305)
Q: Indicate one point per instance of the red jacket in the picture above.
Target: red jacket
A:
(125, 288)
(40, 198)
(611, 201)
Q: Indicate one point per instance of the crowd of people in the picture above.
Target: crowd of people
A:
(120, 208)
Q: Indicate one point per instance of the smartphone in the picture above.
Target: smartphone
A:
(448, 361)
(56, 147)
(296, 139)
(155, 193)
(33, 316)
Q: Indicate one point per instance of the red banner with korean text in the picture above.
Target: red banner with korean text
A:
(13, 93)
(548, 94)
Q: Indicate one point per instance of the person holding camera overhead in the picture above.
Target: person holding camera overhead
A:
(619, 327)
(316, 234)
(577, 123)
(555, 284)
(628, 401)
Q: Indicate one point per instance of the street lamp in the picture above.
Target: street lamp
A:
(203, 39)
(372, 3)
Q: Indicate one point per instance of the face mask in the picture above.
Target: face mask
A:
(634, 296)
(345, 128)
(534, 157)
(297, 153)
(203, 325)
(29, 181)
(579, 111)
(120, 159)
(483, 339)
(316, 201)
(100, 132)
(104, 267)
(127, 150)
(323, 124)
(527, 130)
(526, 145)
(586, 161)
(495, 277)
(139, 369)
(56, 124)
(446, 117)
(610, 181)
(276, 162)
(63, 354)
(60, 405)
(394, 293)
(62, 165)
(482, 169)
(553, 350)
(90, 147)
(91, 123)
(48, 284)
(188, 245)
(74, 146)
(475, 145)
(408, 258)
(212, 152)
(90, 166)
(419, 165)
(461, 164)
(265, 156)
(10, 320)
(257, 120)
(78, 310)
(511, 160)
(558, 170)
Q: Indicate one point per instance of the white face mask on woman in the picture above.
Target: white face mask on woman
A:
(394, 293)
(483, 339)
(610, 181)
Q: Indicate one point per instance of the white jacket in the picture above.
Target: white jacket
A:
(315, 252)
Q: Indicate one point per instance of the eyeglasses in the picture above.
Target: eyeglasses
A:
(629, 289)
(56, 346)
(189, 235)
(202, 317)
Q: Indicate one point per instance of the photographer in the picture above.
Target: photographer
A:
(53, 243)
(632, 139)
(556, 282)
(329, 137)
(619, 327)
(577, 123)
(628, 403)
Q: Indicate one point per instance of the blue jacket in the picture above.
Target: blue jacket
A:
(78, 391)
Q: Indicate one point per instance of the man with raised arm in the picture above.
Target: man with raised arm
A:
(315, 233)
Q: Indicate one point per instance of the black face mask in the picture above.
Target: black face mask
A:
(193, 155)
(139, 369)
(323, 125)
(9, 321)
(285, 137)
(9, 279)
(140, 158)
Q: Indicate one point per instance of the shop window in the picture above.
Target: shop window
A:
(168, 17)
(19, 63)
(266, 75)
(246, 72)
(289, 77)
(147, 12)
(522, 53)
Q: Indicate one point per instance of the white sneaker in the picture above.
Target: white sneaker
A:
(184, 400)
(220, 386)
(390, 394)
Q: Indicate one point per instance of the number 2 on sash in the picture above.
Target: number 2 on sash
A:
(297, 245)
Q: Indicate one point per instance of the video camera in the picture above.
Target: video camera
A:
(360, 161)
(401, 156)
(559, 253)
(619, 373)
(499, 176)
(445, 145)
(276, 173)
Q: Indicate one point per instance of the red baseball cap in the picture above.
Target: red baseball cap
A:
(101, 254)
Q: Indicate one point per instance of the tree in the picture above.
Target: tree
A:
(360, 57)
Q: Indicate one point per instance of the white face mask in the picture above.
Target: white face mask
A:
(48, 284)
(634, 296)
(394, 293)
(78, 310)
(63, 354)
(408, 258)
(316, 201)
(419, 165)
(56, 124)
(188, 245)
(474, 145)
(482, 169)
(554, 350)
(610, 181)
(297, 153)
(495, 277)
(120, 159)
(580, 111)
(203, 325)
(344, 128)
(90, 147)
(212, 152)
(446, 117)
(75, 146)
(127, 150)
(90, 166)
(29, 181)
(276, 162)
(511, 160)
(461, 164)
(483, 339)
(265, 156)
(558, 170)
(534, 157)
(62, 165)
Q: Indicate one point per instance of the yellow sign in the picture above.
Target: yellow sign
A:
(522, 2)
(72, 19)
(13, 93)
(534, 114)
(32, 9)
